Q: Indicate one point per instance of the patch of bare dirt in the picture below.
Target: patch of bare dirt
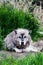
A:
(6, 54)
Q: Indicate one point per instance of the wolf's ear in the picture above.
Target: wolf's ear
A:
(15, 31)
(30, 31)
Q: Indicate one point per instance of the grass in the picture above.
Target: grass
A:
(31, 59)
(41, 29)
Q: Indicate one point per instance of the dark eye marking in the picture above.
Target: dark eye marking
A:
(19, 37)
(24, 36)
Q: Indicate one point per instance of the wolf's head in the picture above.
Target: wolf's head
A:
(23, 38)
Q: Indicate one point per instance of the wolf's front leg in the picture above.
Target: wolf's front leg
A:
(31, 48)
(17, 50)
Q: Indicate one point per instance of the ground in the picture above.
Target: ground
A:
(6, 54)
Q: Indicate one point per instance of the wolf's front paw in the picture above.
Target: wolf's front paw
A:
(31, 48)
(17, 50)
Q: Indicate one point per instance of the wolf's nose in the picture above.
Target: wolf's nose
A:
(22, 43)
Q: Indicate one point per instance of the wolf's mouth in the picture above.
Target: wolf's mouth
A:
(21, 47)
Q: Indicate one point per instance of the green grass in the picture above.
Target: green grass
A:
(31, 59)
(41, 29)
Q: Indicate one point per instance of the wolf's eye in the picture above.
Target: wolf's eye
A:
(19, 37)
(24, 36)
